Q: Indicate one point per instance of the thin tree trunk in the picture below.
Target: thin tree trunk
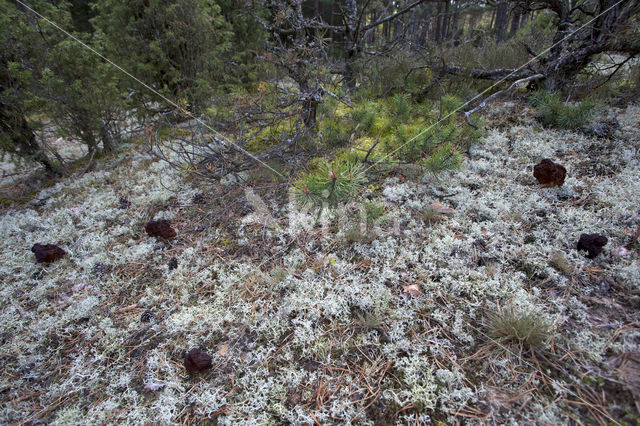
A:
(438, 35)
(372, 33)
(473, 19)
(493, 18)
(524, 18)
(501, 20)
(515, 21)
(445, 21)
(350, 43)
(454, 23)
(23, 142)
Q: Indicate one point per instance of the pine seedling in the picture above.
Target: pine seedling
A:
(328, 185)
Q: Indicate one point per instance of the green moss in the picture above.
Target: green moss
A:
(268, 136)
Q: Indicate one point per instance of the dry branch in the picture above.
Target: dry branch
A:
(482, 104)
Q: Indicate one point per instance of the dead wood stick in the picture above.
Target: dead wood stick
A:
(482, 104)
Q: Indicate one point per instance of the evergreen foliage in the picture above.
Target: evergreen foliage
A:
(553, 112)
(80, 94)
(330, 183)
(446, 157)
(176, 46)
(23, 57)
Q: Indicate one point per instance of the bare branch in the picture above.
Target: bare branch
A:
(508, 74)
(366, 157)
(482, 104)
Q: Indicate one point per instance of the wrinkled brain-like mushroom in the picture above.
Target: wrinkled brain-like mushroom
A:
(592, 243)
(47, 253)
(549, 173)
(197, 361)
(160, 228)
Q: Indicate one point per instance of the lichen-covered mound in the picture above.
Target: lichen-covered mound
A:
(487, 313)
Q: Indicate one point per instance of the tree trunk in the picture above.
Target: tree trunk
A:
(473, 18)
(524, 18)
(493, 18)
(454, 23)
(438, 35)
(424, 32)
(501, 20)
(372, 33)
(515, 21)
(350, 43)
(16, 129)
(445, 21)
(310, 107)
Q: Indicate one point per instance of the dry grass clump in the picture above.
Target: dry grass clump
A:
(512, 332)
(558, 261)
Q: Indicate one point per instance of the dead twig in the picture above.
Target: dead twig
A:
(482, 104)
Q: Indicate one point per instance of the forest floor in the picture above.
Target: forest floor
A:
(332, 324)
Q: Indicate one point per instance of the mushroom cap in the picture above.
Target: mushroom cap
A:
(549, 173)
(197, 361)
(592, 243)
(160, 228)
(47, 253)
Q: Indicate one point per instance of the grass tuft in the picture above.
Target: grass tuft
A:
(512, 332)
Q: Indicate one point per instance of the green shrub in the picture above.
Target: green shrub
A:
(400, 107)
(553, 112)
(446, 157)
(365, 115)
(329, 184)
(373, 211)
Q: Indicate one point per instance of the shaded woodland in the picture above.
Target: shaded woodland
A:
(268, 66)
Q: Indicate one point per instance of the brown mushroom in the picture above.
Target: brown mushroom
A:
(592, 243)
(549, 173)
(197, 361)
(160, 228)
(47, 253)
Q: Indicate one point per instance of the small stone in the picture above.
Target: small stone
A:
(604, 287)
(160, 228)
(592, 243)
(480, 244)
(153, 386)
(620, 252)
(197, 361)
(47, 253)
(549, 173)
(172, 264)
